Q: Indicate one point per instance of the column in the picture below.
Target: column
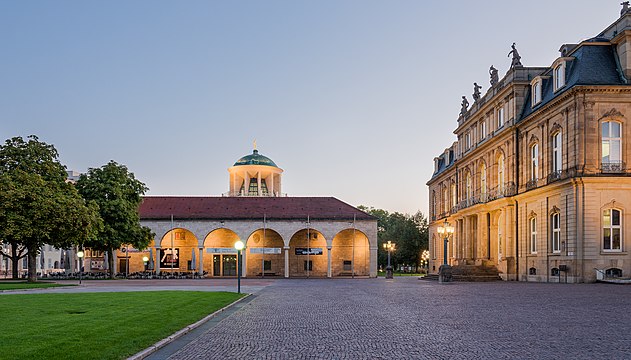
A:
(271, 189)
(286, 261)
(243, 267)
(258, 182)
(156, 264)
(328, 261)
(201, 262)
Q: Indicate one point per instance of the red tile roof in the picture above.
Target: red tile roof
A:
(243, 208)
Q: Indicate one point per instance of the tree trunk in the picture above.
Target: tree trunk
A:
(14, 262)
(32, 265)
(110, 260)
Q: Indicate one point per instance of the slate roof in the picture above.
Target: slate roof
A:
(593, 65)
(246, 208)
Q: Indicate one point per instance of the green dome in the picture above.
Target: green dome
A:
(255, 159)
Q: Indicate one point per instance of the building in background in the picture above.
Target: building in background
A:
(537, 183)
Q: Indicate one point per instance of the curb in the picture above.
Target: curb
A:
(164, 342)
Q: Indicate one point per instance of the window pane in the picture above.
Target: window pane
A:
(615, 239)
(606, 218)
(605, 129)
(615, 217)
(615, 129)
(605, 150)
(614, 151)
(606, 239)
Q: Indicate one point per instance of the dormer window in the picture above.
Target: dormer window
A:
(536, 92)
(559, 76)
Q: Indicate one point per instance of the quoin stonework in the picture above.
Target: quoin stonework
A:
(537, 183)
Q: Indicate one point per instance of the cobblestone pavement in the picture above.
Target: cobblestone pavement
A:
(406, 318)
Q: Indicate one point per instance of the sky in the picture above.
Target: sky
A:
(351, 98)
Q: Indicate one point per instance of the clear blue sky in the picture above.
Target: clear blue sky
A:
(353, 99)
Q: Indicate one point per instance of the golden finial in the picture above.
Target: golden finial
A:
(255, 144)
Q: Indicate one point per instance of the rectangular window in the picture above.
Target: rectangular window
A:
(556, 233)
(348, 265)
(557, 159)
(534, 162)
(533, 235)
(612, 230)
(559, 76)
(267, 265)
(500, 117)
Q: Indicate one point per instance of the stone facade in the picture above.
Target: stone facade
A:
(543, 192)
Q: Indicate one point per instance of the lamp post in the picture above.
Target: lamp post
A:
(80, 256)
(425, 257)
(239, 246)
(145, 260)
(389, 246)
(444, 272)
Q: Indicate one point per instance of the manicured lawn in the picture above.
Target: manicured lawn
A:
(17, 285)
(98, 325)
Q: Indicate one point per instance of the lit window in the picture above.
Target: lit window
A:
(536, 92)
(534, 162)
(557, 160)
(533, 235)
(612, 230)
(611, 143)
(559, 76)
(500, 117)
(556, 232)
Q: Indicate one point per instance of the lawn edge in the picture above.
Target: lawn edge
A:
(167, 340)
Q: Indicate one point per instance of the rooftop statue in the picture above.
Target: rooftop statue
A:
(476, 92)
(516, 58)
(494, 76)
(625, 7)
(465, 106)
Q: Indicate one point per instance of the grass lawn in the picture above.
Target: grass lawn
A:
(17, 285)
(98, 325)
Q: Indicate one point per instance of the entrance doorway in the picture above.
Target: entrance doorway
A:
(224, 265)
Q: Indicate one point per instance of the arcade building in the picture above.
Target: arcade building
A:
(284, 236)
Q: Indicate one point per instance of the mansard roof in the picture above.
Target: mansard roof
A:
(248, 208)
(592, 64)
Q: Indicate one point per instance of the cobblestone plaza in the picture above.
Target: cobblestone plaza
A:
(406, 318)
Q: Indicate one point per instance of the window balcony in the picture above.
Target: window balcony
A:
(532, 184)
(613, 167)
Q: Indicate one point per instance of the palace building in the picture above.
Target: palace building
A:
(536, 184)
(284, 236)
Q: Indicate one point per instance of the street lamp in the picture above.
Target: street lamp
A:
(145, 259)
(425, 257)
(239, 246)
(389, 246)
(447, 230)
(80, 256)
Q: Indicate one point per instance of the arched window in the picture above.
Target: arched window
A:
(532, 271)
(555, 221)
(483, 181)
(611, 145)
(534, 162)
(500, 174)
(612, 234)
(557, 150)
(559, 76)
(613, 272)
(536, 92)
(533, 235)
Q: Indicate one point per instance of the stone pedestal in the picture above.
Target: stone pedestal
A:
(389, 274)
(444, 274)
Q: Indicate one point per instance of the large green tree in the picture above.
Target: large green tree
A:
(118, 194)
(37, 206)
(408, 232)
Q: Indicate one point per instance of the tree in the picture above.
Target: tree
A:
(37, 206)
(118, 194)
(408, 232)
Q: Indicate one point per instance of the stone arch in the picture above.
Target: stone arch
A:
(220, 256)
(350, 252)
(299, 242)
(175, 251)
(265, 254)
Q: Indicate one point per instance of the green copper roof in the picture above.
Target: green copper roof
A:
(255, 159)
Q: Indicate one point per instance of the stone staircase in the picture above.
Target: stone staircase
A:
(471, 273)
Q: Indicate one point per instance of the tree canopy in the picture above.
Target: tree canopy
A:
(37, 206)
(408, 232)
(118, 195)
